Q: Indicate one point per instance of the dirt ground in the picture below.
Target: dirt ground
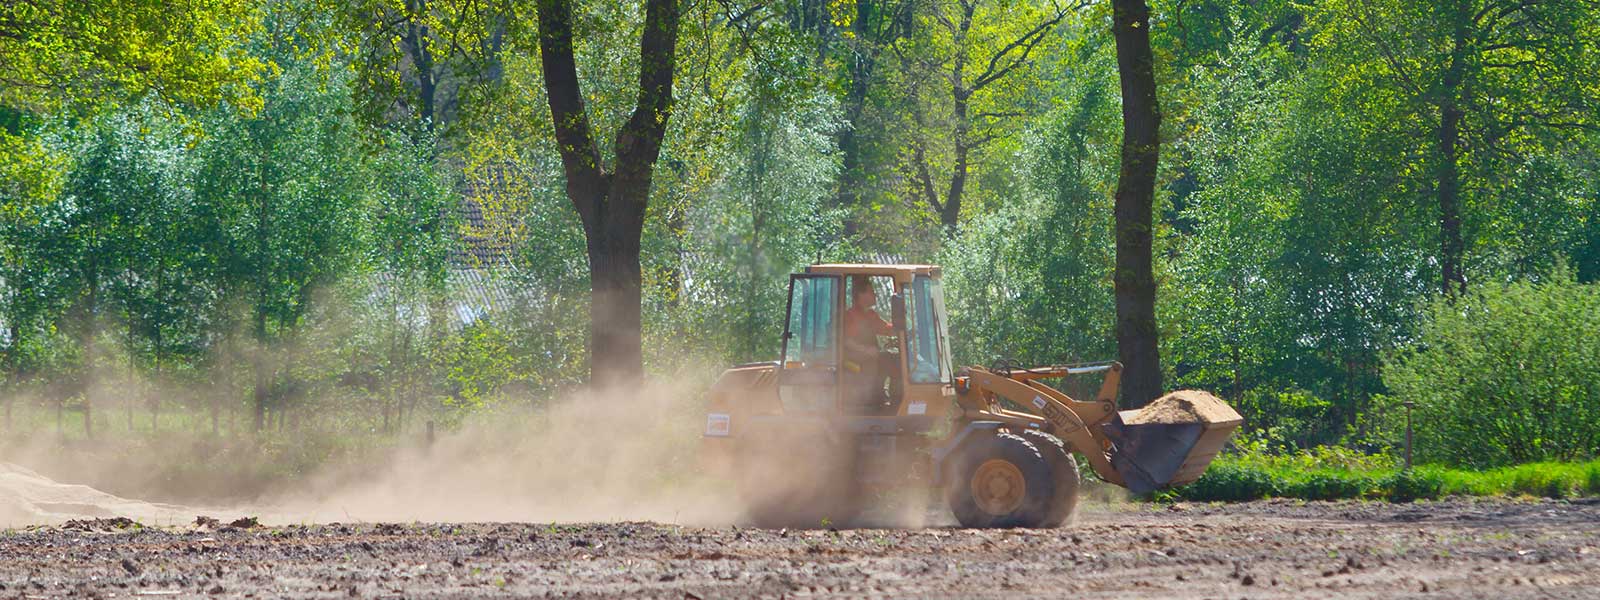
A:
(1275, 549)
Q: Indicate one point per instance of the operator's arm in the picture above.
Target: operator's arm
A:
(859, 345)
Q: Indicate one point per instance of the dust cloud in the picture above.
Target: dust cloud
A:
(627, 455)
(622, 455)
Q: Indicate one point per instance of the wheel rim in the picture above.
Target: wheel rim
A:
(998, 486)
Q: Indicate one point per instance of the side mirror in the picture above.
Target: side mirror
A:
(897, 312)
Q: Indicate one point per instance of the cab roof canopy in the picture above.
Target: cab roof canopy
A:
(898, 272)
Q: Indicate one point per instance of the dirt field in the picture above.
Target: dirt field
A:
(1454, 549)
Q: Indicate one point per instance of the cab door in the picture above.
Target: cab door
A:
(809, 379)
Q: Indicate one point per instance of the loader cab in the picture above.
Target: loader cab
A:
(825, 370)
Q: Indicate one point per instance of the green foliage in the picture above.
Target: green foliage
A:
(371, 190)
(66, 52)
(281, 189)
(1337, 474)
(1413, 485)
(1513, 367)
(1031, 280)
(1229, 482)
(1289, 419)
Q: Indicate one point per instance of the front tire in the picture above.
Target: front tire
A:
(1065, 472)
(1002, 480)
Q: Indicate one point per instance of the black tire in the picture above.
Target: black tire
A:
(790, 481)
(1065, 472)
(1015, 481)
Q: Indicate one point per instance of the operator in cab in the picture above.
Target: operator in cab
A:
(864, 376)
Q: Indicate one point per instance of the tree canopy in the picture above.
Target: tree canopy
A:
(386, 208)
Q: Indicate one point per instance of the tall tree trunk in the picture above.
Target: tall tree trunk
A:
(260, 363)
(133, 389)
(418, 41)
(611, 202)
(851, 164)
(861, 67)
(617, 343)
(960, 95)
(1141, 152)
(1453, 278)
(216, 397)
(950, 211)
(86, 384)
(156, 389)
(13, 372)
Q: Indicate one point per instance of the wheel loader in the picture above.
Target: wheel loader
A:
(809, 438)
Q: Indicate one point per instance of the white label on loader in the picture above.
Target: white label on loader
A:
(917, 408)
(718, 424)
(1038, 402)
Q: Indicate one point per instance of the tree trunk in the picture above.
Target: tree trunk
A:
(862, 66)
(216, 401)
(851, 177)
(950, 211)
(133, 391)
(86, 383)
(1141, 152)
(13, 373)
(611, 203)
(260, 363)
(616, 352)
(418, 42)
(156, 388)
(1453, 279)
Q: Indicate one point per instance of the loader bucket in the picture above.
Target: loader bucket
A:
(1171, 441)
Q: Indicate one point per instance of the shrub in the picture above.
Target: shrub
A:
(1333, 485)
(1231, 482)
(1408, 486)
(1505, 375)
(1289, 419)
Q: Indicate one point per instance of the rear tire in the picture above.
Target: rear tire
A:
(1001, 480)
(1065, 472)
(791, 481)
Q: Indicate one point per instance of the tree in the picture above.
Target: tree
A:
(67, 52)
(611, 201)
(1135, 280)
(870, 29)
(280, 192)
(982, 53)
(415, 56)
(1498, 81)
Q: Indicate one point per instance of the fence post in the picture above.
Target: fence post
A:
(1409, 404)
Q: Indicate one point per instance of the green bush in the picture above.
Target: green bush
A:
(1507, 374)
(1332, 485)
(1408, 486)
(1252, 477)
(1231, 482)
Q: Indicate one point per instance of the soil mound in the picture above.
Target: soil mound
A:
(1183, 406)
(28, 498)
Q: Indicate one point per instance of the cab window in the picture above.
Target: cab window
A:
(930, 357)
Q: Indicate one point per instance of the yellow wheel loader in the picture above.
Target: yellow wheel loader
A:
(859, 407)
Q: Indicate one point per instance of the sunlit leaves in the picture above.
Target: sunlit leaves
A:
(70, 53)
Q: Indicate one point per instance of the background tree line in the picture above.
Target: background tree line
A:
(346, 213)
